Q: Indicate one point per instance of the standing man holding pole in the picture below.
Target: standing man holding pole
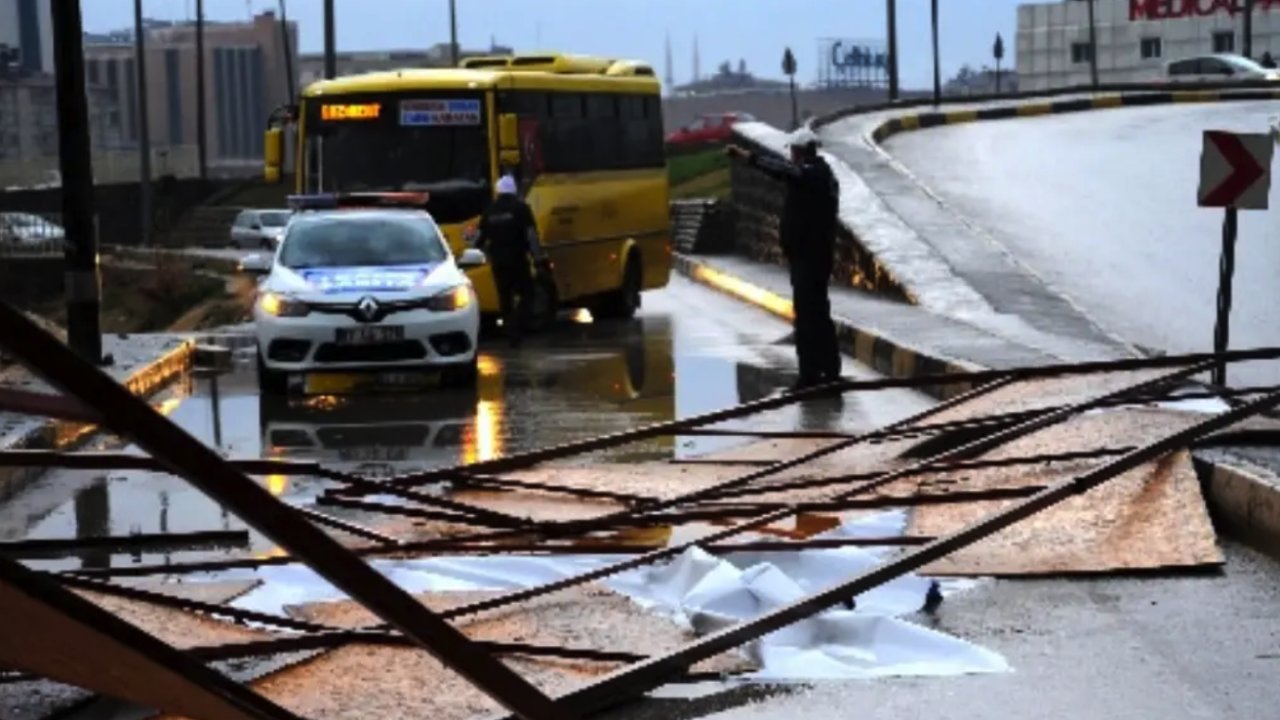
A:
(83, 283)
(808, 241)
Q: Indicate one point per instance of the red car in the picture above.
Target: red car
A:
(714, 129)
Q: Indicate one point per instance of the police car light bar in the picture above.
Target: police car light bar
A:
(333, 201)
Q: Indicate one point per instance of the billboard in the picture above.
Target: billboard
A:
(845, 62)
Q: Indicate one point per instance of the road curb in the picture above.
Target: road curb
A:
(1245, 502)
(924, 120)
(885, 355)
(144, 382)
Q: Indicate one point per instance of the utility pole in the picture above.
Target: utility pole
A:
(1093, 45)
(144, 124)
(453, 32)
(1248, 28)
(288, 52)
(75, 158)
(937, 61)
(997, 52)
(892, 7)
(202, 125)
(330, 44)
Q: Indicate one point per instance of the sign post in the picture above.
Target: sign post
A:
(1235, 174)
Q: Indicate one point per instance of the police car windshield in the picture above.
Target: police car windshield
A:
(361, 241)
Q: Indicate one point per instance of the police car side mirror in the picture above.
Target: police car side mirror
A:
(256, 264)
(472, 258)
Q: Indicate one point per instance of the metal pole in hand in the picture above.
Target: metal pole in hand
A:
(83, 283)
(1226, 270)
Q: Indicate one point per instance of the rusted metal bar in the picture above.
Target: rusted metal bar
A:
(481, 516)
(125, 543)
(40, 622)
(674, 427)
(177, 603)
(878, 502)
(127, 461)
(628, 682)
(25, 402)
(485, 481)
(338, 638)
(767, 434)
(982, 464)
(204, 468)
(415, 512)
(346, 526)
(768, 518)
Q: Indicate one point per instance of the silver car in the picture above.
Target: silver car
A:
(259, 228)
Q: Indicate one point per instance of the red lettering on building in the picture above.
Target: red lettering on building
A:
(1176, 9)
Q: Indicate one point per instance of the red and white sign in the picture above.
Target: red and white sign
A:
(1174, 9)
(1235, 170)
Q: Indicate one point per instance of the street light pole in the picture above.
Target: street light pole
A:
(144, 123)
(1093, 45)
(937, 61)
(288, 52)
(892, 8)
(202, 126)
(75, 159)
(453, 32)
(1248, 28)
(330, 43)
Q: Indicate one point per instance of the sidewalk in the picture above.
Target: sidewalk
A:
(894, 338)
(143, 363)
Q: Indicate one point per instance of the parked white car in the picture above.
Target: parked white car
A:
(1218, 68)
(259, 228)
(364, 289)
(28, 230)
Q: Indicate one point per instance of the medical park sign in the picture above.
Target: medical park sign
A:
(1174, 9)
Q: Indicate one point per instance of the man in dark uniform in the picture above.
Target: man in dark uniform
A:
(508, 233)
(808, 242)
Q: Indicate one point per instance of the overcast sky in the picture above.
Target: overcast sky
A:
(754, 30)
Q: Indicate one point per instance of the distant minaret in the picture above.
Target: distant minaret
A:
(671, 73)
(697, 61)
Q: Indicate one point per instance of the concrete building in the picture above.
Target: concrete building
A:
(311, 67)
(1136, 38)
(247, 76)
(29, 128)
(28, 26)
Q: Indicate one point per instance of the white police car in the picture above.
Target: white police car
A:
(364, 282)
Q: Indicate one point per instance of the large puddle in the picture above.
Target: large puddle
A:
(577, 381)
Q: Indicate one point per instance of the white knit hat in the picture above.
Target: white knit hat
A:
(507, 185)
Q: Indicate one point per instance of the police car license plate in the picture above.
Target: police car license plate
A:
(372, 335)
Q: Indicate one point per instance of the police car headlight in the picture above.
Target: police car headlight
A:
(455, 298)
(282, 305)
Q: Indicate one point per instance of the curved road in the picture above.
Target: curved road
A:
(1102, 205)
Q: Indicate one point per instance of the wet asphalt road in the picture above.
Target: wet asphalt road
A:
(1102, 205)
(690, 351)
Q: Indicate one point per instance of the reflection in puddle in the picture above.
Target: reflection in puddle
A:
(582, 379)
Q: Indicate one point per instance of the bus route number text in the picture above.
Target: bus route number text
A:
(439, 112)
(366, 111)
